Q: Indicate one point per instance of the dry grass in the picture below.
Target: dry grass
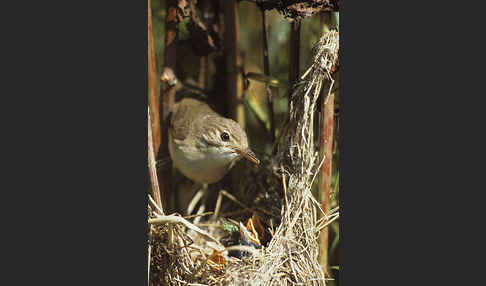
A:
(183, 253)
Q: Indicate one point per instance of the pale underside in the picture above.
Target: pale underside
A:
(194, 158)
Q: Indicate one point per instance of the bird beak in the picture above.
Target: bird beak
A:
(248, 154)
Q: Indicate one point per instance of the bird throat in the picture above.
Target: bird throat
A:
(205, 167)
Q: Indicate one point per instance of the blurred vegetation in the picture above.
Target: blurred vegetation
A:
(251, 48)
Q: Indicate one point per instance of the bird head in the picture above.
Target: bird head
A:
(226, 139)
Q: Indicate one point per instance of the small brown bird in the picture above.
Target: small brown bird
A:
(203, 145)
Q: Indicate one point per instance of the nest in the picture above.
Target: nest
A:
(192, 253)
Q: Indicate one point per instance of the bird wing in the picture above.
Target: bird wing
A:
(185, 113)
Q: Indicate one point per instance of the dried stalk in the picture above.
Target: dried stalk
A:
(154, 204)
(152, 85)
(266, 71)
(325, 153)
(148, 264)
(234, 79)
(152, 169)
(172, 219)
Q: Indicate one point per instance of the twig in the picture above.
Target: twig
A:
(218, 205)
(334, 210)
(200, 211)
(153, 203)
(325, 141)
(152, 170)
(266, 70)
(152, 85)
(149, 256)
(195, 200)
(196, 215)
(233, 198)
(270, 229)
(285, 191)
(148, 263)
(234, 80)
(329, 222)
(172, 219)
(171, 235)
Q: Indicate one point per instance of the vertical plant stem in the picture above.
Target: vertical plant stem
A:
(294, 51)
(152, 170)
(152, 85)
(326, 130)
(266, 71)
(234, 79)
(148, 264)
(233, 73)
(167, 96)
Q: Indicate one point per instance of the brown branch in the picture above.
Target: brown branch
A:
(152, 85)
(234, 79)
(266, 71)
(326, 128)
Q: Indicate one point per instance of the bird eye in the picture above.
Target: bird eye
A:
(225, 136)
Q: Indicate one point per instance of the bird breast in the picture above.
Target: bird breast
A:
(205, 167)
